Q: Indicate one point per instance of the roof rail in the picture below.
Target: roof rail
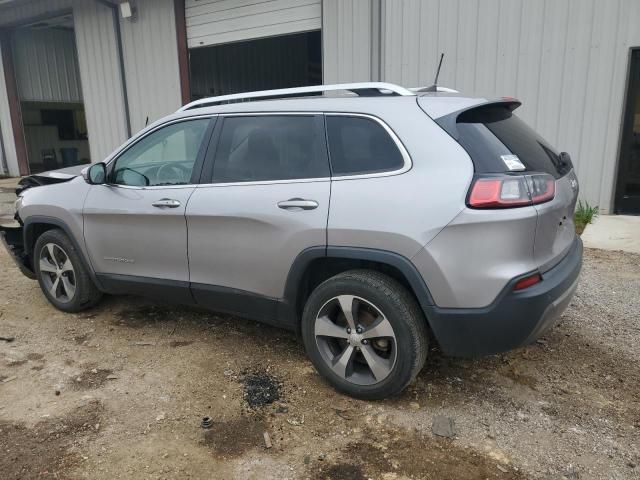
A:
(361, 89)
(433, 88)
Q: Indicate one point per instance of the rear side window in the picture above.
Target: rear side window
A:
(270, 147)
(360, 145)
(498, 141)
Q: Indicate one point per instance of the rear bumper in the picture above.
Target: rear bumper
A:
(514, 319)
(12, 239)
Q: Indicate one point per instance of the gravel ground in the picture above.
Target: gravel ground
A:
(120, 391)
(7, 199)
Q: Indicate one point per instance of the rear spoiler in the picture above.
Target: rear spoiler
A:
(448, 122)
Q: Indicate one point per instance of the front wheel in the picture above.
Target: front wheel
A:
(365, 333)
(61, 274)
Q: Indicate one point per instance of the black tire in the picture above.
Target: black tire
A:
(400, 309)
(86, 294)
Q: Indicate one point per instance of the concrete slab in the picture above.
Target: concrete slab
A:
(613, 232)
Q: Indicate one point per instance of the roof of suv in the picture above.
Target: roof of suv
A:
(369, 97)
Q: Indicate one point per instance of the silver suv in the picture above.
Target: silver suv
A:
(372, 219)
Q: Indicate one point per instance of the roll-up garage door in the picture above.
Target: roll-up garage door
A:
(212, 22)
(46, 65)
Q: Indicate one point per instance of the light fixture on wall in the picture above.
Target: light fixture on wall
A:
(128, 11)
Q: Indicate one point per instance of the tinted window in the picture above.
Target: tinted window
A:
(164, 157)
(278, 147)
(493, 135)
(361, 145)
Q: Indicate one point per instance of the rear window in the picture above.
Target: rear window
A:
(498, 141)
(360, 145)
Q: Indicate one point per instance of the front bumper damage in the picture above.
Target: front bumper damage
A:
(13, 240)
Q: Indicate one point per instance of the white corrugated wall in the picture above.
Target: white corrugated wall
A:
(151, 62)
(350, 40)
(566, 60)
(100, 74)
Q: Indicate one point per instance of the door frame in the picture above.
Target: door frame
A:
(13, 97)
(626, 127)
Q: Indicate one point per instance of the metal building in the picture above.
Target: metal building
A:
(78, 77)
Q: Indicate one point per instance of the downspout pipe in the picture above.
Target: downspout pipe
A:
(4, 166)
(123, 79)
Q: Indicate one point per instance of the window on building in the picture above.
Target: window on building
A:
(164, 157)
(361, 145)
(270, 147)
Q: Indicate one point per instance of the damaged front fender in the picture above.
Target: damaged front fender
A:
(12, 238)
(48, 178)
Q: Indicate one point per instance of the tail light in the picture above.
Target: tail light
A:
(507, 191)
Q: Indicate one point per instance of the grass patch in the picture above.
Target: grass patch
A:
(584, 215)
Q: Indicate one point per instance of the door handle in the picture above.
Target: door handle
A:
(166, 203)
(298, 203)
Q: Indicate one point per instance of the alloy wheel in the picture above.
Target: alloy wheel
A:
(356, 340)
(57, 273)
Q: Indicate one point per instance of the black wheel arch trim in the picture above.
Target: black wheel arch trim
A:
(12, 239)
(401, 263)
(29, 242)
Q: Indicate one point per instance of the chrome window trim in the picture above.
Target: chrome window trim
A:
(150, 187)
(134, 140)
(265, 182)
(408, 164)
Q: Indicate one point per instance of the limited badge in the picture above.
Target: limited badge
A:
(512, 162)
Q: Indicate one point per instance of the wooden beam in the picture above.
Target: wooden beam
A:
(183, 50)
(15, 110)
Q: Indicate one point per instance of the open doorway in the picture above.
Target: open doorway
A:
(50, 93)
(275, 62)
(627, 199)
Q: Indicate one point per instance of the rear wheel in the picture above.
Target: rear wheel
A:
(365, 333)
(61, 274)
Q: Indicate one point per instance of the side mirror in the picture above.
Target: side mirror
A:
(95, 174)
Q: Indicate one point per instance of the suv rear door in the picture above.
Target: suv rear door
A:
(264, 198)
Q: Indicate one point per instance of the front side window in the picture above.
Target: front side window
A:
(164, 157)
(360, 145)
(270, 147)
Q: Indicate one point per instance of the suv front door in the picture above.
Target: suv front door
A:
(264, 199)
(134, 226)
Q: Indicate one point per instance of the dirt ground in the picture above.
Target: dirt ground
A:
(120, 392)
